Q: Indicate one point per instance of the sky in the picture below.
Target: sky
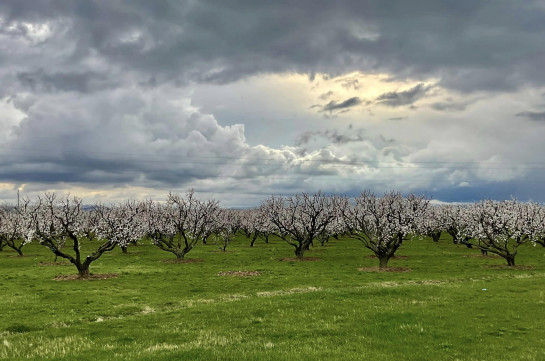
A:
(239, 100)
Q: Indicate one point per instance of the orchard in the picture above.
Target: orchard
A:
(310, 276)
(380, 223)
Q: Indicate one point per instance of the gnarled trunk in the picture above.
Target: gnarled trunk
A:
(254, 239)
(83, 270)
(510, 260)
(306, 246)
(466, 242)
(17, 249)
(300, 252)
(383, 261)
(454, 235)
(181, 252)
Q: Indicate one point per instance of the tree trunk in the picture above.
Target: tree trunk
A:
(466, 242)
(454, 237)
(484, 252)
(124, 249)
(306, 246)
(179, 255)
(383, 261)
(435, 236)
(83, 271)
(204, 240)
(299, 252)
(254, 239)
(323, 240)
(18, 250)
(266, 238)
(510, 260)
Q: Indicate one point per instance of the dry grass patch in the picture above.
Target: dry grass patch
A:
(239, 273)
(93, 277)
(389, 269)
(288, 292)
(45, 348)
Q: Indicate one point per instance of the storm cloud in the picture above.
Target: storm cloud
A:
(148, 96)
(470, 45)
(536, 116)
(348, 103)
(406, 97)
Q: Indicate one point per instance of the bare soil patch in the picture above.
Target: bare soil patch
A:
(92, 277)
(239, 273)
(191, 260)
(295, 259)
(389, 269)
(394, 257)
(54, 263)
(504, 266)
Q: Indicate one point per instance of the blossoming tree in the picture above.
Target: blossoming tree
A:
(177, 226)
(501, 227)
(61, 224)
(300, 219)
(382, 223)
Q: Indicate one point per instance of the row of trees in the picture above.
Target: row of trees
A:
(382, 224)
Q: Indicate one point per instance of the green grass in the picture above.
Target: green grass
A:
(323, 310)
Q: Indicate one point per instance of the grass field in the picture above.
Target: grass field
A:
(449, 307)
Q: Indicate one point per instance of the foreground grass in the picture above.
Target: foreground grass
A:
(449, 307)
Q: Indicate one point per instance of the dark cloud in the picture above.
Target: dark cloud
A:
(470, 45)
(332, 135)
(341, 106)
(324, 96)
(524, 189)
(407, 97)
(536, 116)
(449, 106)
(95, 82)
(349, 82)
(40, 81)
